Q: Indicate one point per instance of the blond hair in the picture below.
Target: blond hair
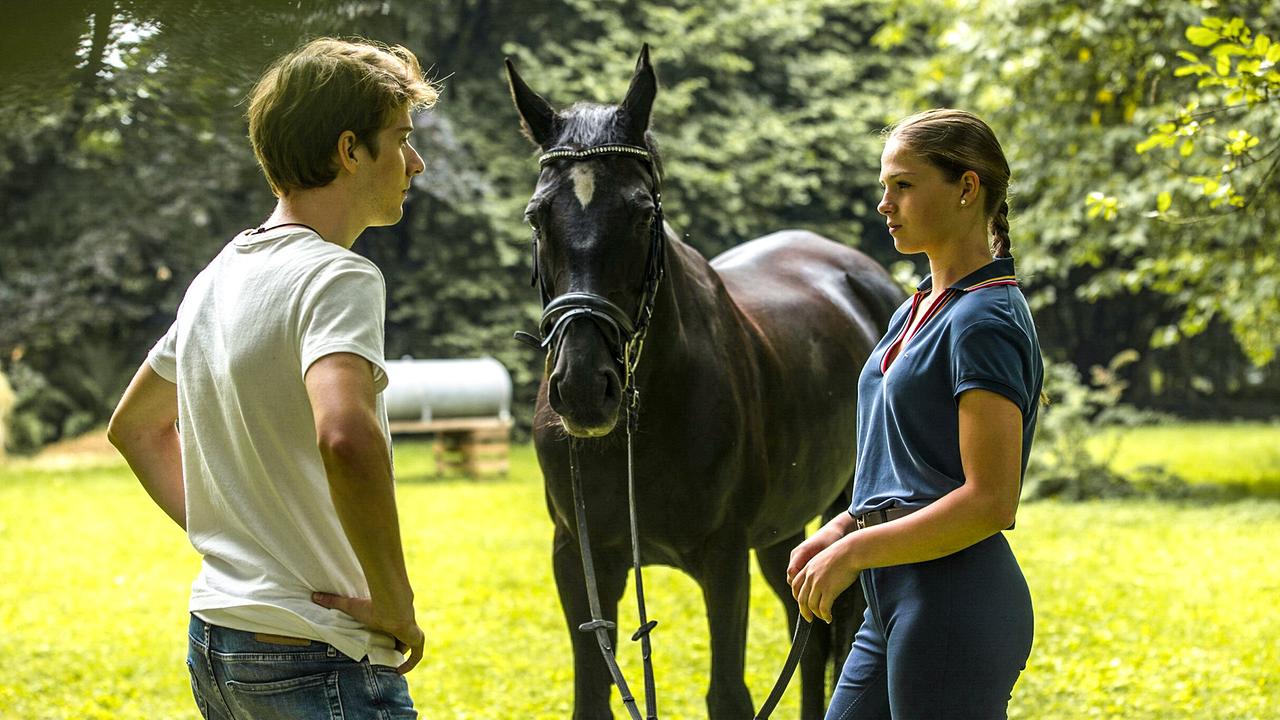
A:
(955, 141)
(309, 97)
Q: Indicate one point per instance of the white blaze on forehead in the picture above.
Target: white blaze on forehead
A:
(584, 184)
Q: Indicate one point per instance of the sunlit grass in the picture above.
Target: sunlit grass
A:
(1144, 610)
(1241, 456)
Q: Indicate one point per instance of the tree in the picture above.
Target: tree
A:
(1223, 177)
(1072, 89)
(766, 119)
(123, 172)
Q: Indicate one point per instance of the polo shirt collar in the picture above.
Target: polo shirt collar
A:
(998, 271)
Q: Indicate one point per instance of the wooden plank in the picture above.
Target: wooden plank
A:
(408, 427)
(472, 467)
(469, 446)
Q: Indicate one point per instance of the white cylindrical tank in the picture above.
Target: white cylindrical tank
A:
(432, 389)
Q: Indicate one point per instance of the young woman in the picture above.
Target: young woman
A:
(947, 407)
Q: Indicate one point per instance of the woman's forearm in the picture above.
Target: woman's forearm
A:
(961, 518)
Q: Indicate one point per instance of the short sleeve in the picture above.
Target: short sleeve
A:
(343, 310)
(163, 357)
(994, 356)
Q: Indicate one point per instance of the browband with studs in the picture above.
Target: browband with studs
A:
(565, 152)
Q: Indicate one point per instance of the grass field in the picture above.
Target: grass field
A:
(1242, 457)
(1144, 609)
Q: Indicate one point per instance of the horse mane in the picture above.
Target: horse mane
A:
(584, 124)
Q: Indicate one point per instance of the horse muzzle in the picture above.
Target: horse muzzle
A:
(584, 387)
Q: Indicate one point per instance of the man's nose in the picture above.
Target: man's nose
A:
(417, 165)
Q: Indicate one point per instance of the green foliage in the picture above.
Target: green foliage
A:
(119, 188)
(1061, 464)
(124, 166)
(1229, 170)
(1091, 445)
(766, 113)
(1123, 249)
(139, 169)
(1109, 580)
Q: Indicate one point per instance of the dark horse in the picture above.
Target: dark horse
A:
(748, 385)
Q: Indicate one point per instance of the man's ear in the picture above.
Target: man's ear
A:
(346, 151)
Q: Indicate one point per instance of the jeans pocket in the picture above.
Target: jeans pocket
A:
(391, 693)
(309, 696)
(201, 704)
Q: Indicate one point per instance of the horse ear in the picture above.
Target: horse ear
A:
(537, 118)
(639, 100)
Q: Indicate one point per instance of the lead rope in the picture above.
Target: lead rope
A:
(597, 624)
(646, 625)
(798, 642)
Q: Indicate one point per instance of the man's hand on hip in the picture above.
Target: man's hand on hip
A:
(402, 626)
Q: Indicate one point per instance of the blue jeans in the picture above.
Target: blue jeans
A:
(943, 639)
(236, 676)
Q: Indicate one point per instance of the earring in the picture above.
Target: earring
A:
(963, 201)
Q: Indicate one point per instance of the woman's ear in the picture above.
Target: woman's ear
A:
(970, 185)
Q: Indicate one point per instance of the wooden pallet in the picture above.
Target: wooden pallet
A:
(468, 446)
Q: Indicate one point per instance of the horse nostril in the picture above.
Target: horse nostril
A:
(612, 387)
(553, 393)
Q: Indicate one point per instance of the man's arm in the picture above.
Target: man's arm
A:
(356, 460)
(143, 428)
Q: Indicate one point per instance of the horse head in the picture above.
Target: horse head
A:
(598, 244)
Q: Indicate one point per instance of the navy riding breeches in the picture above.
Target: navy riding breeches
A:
(942, 639)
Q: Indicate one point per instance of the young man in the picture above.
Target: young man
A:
(273, 372)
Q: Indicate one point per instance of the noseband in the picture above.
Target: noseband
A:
(623, 332)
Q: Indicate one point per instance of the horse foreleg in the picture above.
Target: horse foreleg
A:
(726, 584)
(591, 679)
(773, 563)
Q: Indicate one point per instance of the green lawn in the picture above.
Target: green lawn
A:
(1244, 457)
(1144, 610)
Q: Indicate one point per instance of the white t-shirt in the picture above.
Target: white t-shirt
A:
(257, 496)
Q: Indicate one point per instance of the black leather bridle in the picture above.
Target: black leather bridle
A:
(623, 332)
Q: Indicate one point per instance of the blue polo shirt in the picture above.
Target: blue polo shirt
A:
(979, 334)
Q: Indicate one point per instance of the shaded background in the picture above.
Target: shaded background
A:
(124, 167)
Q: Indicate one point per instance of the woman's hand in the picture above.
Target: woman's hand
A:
(805, 551)
(811, 546)
(821, 580)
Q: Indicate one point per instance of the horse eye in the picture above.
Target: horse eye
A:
(531, 215)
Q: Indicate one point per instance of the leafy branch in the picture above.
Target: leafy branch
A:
(1242, 63)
